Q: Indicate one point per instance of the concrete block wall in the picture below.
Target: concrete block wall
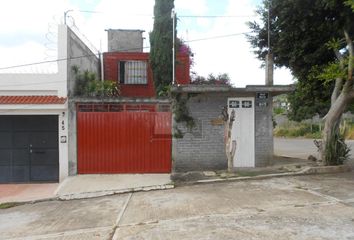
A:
(203, 147)
(264, 147)
(81, 56)
(125, 40)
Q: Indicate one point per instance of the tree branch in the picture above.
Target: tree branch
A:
(351, 94)
(339, 81)
(350, 61)
(336, 90)
(348, 86)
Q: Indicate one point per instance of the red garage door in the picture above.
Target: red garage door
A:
(115, 138)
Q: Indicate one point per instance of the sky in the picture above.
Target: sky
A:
(28, 33)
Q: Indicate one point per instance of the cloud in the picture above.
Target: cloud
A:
(29, 16)
(232, 55)
(32, 52)
(30, 23)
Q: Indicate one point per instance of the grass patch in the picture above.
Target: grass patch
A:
(350, 133)
(298, 130)
(307, 130)
(9, 205)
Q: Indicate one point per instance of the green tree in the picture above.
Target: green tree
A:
(313, 39)
(161, 44)
(220, 79)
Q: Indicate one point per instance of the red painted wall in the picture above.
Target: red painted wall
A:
(111, 72)
(182, 69)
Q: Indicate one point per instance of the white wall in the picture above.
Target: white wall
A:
(32, 84)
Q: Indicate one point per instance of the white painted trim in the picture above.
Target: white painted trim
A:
(26, 108)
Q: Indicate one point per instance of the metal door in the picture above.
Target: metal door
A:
(29, 148)
(134, 139)
(243, 131)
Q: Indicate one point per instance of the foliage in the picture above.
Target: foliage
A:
(301, 33)
(164, 91)
(220, 79)
(350, 3)
(332, 71)
(177, 133)
(278, 111)
(9, 205)
(184, 48)
(87, 85)
(337, 151)
(349, 133)
(181, 111)
(310, 98)
(298, 130)
(161, 44)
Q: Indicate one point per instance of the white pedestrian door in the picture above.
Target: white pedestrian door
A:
(243, 131)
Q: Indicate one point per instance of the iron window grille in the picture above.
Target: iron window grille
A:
(133, 72)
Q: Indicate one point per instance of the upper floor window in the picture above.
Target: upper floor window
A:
(133, 72)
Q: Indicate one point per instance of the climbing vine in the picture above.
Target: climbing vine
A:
(181, 113)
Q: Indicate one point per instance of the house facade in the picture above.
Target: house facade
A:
(132, 133)
(34, 136)
(47, 132)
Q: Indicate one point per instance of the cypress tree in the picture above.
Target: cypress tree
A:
(161, 45)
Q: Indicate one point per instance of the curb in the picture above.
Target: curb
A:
(19, 203)
(305, 171)
(85, 195)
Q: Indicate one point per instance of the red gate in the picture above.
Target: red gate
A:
(115, 138)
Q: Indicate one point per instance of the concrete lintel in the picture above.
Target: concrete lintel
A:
(274, 90)
(124, 30)
(119, 100)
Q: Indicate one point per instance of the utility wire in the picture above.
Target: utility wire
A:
(216, 37)
(216, 16)
(96, 55)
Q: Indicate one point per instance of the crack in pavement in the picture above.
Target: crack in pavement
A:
(114, 233)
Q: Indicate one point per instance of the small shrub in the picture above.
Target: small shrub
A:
(87, 85)
(278, 111)
(337, 151)
(350, 133)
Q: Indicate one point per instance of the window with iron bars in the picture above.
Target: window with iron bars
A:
(133, 72)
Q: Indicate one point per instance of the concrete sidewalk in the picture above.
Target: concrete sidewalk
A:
(27, 192)
(96, 185)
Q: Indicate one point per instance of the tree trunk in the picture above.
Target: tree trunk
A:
(332, 120)
(230, 146)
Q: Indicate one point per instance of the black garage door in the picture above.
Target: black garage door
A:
(29, 149)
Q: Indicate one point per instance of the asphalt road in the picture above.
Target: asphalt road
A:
(291, 208)
(299, 147)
